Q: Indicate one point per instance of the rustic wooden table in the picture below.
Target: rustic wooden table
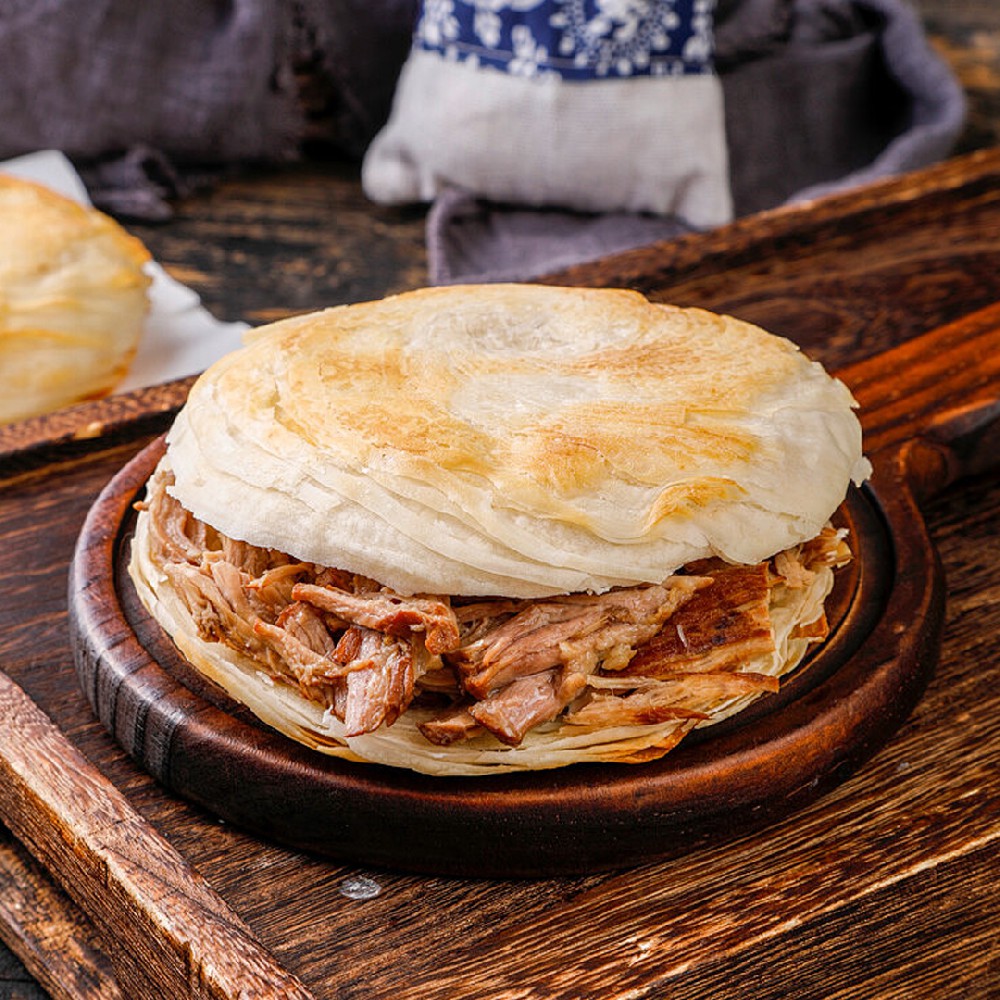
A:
(887, 887)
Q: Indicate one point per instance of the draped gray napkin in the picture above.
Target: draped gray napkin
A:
(151, 99)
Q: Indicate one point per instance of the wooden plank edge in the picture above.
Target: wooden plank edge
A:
(649, 267)
(167, 933)
(942, 386)
(42, 926)
(95, 420)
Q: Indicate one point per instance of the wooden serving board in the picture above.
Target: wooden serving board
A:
(886, 887)
(925, 407)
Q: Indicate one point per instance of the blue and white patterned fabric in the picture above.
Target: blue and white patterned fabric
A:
(576, 39)
(593, 105)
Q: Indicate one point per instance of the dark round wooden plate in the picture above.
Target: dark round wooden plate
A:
(830, 716)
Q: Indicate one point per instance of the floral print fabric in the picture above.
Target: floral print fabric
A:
(574, 39)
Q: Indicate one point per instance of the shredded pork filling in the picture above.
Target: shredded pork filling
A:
(632, 656)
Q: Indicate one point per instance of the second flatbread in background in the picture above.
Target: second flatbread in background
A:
(73, 299)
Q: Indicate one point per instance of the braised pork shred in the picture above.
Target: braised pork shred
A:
(632, 656)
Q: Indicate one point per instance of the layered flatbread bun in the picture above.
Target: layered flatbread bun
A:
(475, 529)
(73, 299)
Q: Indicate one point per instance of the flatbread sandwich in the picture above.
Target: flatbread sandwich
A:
(480, 529)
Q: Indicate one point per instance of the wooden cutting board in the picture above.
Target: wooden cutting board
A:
(888, 885)
(926, 409)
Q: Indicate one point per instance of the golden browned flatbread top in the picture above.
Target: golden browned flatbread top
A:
(516, 440)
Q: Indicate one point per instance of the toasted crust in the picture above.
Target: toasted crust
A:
(73, 297)
(516, 440)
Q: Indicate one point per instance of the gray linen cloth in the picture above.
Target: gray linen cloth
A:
(820, 95)
(150, 99)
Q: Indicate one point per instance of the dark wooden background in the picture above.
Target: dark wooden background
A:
(255, 252)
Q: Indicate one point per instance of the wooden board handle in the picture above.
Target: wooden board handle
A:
(168, 934)
(936, 400)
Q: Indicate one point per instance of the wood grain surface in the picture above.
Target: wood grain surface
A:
(56, 941)
(886, 887)
(167, 933)
(966, 33)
